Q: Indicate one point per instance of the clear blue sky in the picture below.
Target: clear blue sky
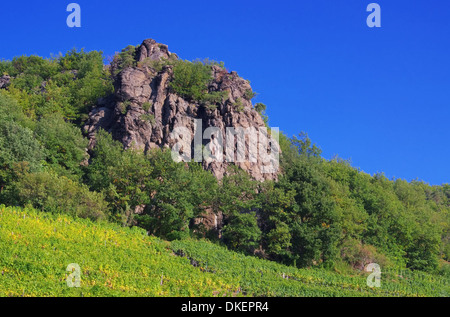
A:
(380, 97)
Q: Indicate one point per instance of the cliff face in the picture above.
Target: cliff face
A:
(145, 110)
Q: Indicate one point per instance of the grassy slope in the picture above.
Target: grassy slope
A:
(36, 248)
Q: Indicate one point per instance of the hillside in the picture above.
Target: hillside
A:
(156, 93)
(83, 140)
(36, 249)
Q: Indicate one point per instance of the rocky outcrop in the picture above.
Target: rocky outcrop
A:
(144, 111)
(4, 81)
(152, 50)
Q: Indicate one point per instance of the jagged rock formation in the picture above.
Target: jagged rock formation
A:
(142, 91)
(4, 81)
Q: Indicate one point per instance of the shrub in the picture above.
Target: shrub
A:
(210, 62)
(52, 193)
(123, 106)
(359, 255)
(148, 118)
(146, 106)
(238, 105)
(159, 64)
(260, 107)
(211, 107)
(212, 99)
(123, 60)
(249, 94)
(190, 80)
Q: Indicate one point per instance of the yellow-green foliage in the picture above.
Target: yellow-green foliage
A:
(36, 249)
(258, 277)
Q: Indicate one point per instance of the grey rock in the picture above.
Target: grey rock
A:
(136, 86)
(4, 81)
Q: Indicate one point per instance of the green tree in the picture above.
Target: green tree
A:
(65, 147)
(241, 233)
(69, 84)
(238, 201)
(315, 229)
(277, 210)
(124, 176)
(50, 192)
(17, 144)
(179, 194)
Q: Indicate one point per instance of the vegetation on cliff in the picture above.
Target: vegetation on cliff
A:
(320, 213)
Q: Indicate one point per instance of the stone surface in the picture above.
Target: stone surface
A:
(141, 87)
(4, 81)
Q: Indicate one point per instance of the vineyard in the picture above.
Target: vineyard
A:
(37, 247)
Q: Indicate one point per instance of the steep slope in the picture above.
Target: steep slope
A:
(145, 110)
(37, 247)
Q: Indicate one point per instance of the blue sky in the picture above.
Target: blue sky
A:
(377, 96)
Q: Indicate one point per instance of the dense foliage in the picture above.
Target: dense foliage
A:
(114, 261)
(320, 213)
(69, 85)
